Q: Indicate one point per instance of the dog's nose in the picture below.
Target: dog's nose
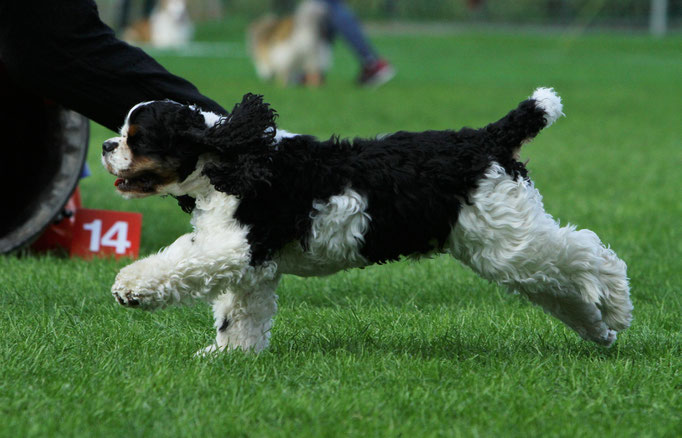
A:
(109, 146)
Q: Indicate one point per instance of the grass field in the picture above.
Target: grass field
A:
(410, 349)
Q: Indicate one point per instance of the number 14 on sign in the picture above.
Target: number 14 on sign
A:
(119, 229)
(103, 232)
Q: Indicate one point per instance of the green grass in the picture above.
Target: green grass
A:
(409, 349)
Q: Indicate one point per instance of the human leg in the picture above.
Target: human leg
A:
(343, 22)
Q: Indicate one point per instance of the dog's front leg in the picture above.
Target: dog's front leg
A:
(194, 266)
(244, 315)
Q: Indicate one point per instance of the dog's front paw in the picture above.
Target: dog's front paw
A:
(131, 291)
(125, 297)
(131, 297)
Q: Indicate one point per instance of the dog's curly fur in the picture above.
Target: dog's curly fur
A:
(265, 202)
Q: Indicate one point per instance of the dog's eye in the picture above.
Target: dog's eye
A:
(135, 138)
(136, 141)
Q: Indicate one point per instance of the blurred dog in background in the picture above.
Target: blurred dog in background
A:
(168, 25)
(292, 50)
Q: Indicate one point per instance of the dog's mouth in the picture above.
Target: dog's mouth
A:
(143, 184)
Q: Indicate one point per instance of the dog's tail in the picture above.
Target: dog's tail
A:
(523, 123)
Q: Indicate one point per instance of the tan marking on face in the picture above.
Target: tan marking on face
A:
(141, 165)
(132, 130)
(146, 177)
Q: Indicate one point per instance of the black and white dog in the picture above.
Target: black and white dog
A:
(265, 202)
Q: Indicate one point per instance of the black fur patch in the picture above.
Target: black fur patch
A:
(176, 146)
(186, 203)
(224, 325)
(250, 127)
(414, 182)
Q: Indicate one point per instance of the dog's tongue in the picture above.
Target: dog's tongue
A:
(118, 181)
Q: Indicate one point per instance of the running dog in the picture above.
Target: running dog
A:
(266, 202)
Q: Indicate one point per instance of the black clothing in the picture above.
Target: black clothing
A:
(61, 50)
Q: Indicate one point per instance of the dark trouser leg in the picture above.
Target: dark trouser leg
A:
(344, 22)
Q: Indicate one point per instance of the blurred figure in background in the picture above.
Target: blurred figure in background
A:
(124, 13)
(296, 49)
(375, 70)
(164, 24)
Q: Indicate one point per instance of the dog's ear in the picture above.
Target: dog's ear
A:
(250, 124)
(243, 176)
(240, 142)
(189, 128)
(186, 130)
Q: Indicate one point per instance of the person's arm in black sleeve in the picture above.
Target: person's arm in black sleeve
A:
(61, 50)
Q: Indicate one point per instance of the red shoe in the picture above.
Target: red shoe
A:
(376, 73)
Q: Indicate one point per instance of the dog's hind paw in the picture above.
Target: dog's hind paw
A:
(599, 333)
(608, 339)
(209, 351)
(604, 338)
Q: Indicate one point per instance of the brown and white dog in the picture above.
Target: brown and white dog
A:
(294, 49)
(169, 25)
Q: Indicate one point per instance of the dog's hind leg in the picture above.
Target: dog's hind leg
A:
(243, 317)
(506, 236)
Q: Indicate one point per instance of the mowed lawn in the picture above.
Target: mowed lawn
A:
(409, 349)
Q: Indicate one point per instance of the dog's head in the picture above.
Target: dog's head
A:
(161, 141)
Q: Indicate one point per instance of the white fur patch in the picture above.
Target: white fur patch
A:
(199, 265)
(339, 226)
(336, 237)
(118, 160)
(210, 118)
(245, 316)
(281, 133)
(548, 101)
(506, 236)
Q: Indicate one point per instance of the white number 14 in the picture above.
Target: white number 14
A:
(119, 229)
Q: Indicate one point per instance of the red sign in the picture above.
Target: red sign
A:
(105, 233)
(59, 234)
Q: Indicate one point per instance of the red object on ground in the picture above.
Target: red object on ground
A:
(106, 233)
(86, 232)
(59, 234)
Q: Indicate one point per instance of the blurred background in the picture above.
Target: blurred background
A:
(636, 15)
(368, 67)
(616, 63)
(412, 349)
